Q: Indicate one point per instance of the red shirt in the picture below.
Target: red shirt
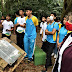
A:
(68, 26)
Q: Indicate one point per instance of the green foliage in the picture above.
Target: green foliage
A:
(40, 7)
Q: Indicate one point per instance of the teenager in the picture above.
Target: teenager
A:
(30, 33)
(7, 27)
(44, 37)
(64, 59)
(62, 33)
(51, 33)
(42, 24)
(20, 29)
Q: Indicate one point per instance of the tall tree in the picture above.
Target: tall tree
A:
(2, 4)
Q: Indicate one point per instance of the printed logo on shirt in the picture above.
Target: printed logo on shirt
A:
(9, 25)
(52, 26)
(32, 40)
(65, 30)
(20, 31)
(8, 34)
(31, 23)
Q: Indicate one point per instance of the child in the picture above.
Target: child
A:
(30, 33)
(20, 29)
(7, 27)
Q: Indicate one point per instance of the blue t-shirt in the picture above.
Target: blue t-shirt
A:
(31, 27)
(63, 31)
(52, 38)
(15, 21)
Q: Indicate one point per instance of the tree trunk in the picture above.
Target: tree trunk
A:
(67, 8)
(2, 4)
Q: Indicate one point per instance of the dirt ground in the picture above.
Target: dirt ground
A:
(30, 67)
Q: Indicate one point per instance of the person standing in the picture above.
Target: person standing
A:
(20, 29)
(7, 27)
(51, 33)
(30, 33)
(44, 26)
(61, 35)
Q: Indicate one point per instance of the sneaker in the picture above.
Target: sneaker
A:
(30, 59)
(52, 54)
(55, 56)
(25, 60)
(25, 57)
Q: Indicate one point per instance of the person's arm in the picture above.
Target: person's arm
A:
(58, 40)
(23, 25)
(17, 24)
(10, 29)
(58, 44)
(56, 27)
(1, 26)
(36, 28)
(50, 33)
(36, 23)
(14, 30)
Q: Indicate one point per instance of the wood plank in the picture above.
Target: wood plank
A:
(18, 62)
(3, 64)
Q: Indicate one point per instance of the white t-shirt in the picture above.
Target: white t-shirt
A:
(44, 26)
(7, 25)
(21, 21)
(41, 24)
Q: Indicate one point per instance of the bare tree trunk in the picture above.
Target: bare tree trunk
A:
(67, 8)
(2, 4)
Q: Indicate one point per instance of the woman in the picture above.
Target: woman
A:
(63, 31)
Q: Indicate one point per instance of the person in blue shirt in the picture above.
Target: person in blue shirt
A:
(15, 20)
(62, 32)
(51, 33)
(30, 33)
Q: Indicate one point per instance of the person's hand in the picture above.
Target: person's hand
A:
(41, 39)
(58, 45)
(46, 31)
(7, 30)
(2, 21)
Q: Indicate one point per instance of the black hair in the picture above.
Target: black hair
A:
(17, 12)
(57, 18)
(63, 24)
(22, 10)
(28, 8)
(8, 15)
(54, 14)
(43, 16)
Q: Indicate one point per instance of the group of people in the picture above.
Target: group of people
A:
(25, 29)
(52, 32)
